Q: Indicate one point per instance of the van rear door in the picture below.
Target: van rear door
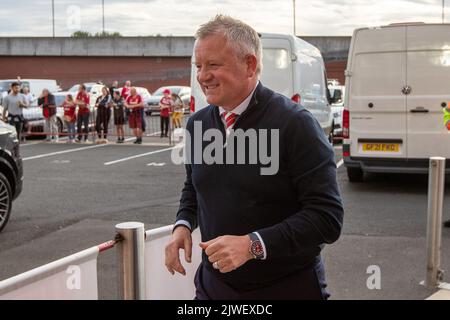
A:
(277, 65)
(377, 106)
(428, 62)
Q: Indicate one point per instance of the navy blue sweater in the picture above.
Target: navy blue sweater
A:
(295, 211)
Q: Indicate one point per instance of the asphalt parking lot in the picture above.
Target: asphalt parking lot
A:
(74, 195)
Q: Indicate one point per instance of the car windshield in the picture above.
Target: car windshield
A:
(175, 90)
(144, 94)
(59, 99)
(76, 87)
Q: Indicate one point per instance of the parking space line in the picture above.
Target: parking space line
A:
(62, 152)
(30, 144)
(340, 163)
(140, 155)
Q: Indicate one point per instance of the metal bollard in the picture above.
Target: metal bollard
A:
(434, 229)
(130, 261)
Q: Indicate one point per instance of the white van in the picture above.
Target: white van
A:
(291, 67)
(397, 82)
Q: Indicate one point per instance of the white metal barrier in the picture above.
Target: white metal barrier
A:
(75, 277)
(160, 284)
(70, 278)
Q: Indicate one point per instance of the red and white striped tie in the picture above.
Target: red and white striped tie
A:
(230, 118)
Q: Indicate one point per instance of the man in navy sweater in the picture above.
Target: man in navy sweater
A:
(262, 232)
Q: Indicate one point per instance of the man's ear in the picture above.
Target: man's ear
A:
(252, 64)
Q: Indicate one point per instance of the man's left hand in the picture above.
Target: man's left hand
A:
(228, 252)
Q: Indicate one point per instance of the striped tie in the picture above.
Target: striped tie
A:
(230, 118)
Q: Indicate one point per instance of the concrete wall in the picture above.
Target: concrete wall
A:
(332, 48)
(95, 47)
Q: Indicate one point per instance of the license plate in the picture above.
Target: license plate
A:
(381, 147)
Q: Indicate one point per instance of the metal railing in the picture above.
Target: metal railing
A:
(436, 185)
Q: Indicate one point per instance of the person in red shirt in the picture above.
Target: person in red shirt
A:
(126, 90)
(82, 101)
(135, 104)
(70, 117)
(165, 104)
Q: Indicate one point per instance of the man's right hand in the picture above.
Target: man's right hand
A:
(181, 239)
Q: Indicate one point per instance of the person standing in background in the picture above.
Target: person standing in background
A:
(119, 117)
(135, 104)
(178, 108)
(14, 103)
(103, 104)
(82, 101)
(165, 104)
(70, 117)
(47, 102)
(30, 99)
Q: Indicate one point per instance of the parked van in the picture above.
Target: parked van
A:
(397, 82)
(337, 94)
(291, 67)
(36, 85)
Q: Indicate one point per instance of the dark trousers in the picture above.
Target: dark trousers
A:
(306, 284)
(83, 120)
(101, 122)
(17, 122)
(164, 126)
(143, 120)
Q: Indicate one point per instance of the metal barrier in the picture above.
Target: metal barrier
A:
(60, 279)
(140, 265)
(436, 185)
(130, 261)
(151, 126)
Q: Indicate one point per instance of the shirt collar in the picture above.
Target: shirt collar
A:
(242, 106)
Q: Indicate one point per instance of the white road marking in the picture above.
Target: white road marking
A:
(340, 163)
(139, 155)
(153, 134)
(30, 144)
(62, 152)
(157, 164)
(61, 161)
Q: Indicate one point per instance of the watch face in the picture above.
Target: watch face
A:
(257, 248)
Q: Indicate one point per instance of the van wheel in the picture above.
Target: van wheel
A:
(355, 174)
(5, 200)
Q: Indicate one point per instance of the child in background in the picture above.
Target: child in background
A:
(70, 117)
(119, 116)
(165, 104)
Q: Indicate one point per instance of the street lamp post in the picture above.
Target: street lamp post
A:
(295, 29)
(53, 17)
(443, 10)
(103, 15)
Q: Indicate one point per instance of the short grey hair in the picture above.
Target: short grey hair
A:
(239, 35)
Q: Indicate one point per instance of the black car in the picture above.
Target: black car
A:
(11, 171)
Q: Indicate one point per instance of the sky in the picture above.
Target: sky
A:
(182, 18)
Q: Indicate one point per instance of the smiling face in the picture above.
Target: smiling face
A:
(225, 78)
